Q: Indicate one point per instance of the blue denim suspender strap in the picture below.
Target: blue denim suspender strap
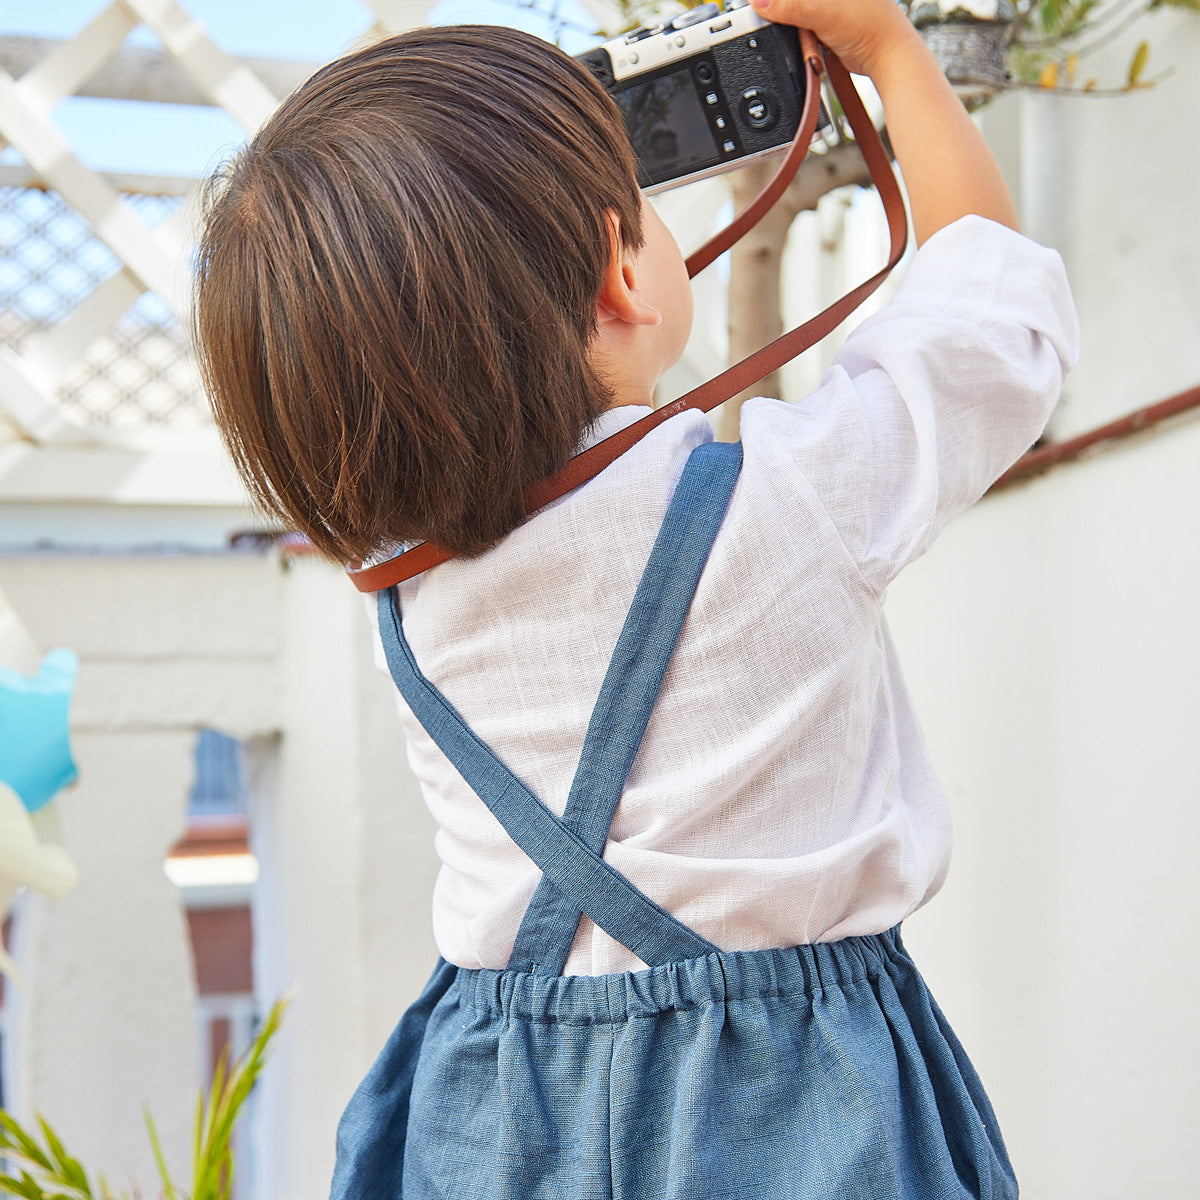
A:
(575, 877)
(630, 689)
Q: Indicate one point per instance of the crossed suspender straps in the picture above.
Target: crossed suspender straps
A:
(575, 878)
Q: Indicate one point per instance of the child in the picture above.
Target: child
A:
(427, 282)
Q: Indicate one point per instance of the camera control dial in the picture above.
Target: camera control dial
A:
(759, 108)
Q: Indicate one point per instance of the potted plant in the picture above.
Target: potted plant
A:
(969, 39)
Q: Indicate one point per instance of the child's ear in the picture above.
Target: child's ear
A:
(621, 300)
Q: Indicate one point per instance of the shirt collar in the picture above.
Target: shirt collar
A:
(611, 421)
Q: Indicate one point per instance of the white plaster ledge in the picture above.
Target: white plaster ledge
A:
(241, 697)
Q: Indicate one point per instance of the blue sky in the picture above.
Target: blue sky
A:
(173, 139)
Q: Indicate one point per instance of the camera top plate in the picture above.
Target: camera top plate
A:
(704, 92)
(699, 29)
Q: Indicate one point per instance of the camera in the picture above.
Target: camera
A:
(703, 92)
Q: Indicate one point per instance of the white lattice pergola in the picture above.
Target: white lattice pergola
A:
(153, 259)
(99, 397)
(100, 402)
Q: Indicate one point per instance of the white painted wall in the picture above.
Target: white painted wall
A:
(1051, 641)
(277, 654)
(107, 1024)
(342, 906)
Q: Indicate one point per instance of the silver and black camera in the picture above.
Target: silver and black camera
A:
(706, 91)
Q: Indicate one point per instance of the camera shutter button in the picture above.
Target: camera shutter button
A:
(759, 108)
(693, 17)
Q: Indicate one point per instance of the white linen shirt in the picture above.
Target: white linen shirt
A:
(782, 793)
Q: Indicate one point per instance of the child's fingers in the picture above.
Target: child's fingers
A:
(858, 31)
(831, 22)
(785, 12)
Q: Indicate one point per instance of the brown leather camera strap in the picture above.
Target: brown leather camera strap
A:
(810, 53)
(750, 370)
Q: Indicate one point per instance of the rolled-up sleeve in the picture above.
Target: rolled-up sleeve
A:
(931, 399)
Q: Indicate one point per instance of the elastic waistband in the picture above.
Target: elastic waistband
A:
(797, 971)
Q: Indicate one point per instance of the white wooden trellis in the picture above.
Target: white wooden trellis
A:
(55, 378)
(36, 375)
(153, 259)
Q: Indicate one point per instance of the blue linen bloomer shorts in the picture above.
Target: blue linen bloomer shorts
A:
(818, 1072)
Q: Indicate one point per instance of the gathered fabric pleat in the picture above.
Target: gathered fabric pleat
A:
(822, 1072)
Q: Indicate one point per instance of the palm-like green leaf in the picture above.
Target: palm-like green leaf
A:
(20, 1187)
(16, 1143)
(67, 1167)
(160, 1161)
(215, 1119)
(48, 1172)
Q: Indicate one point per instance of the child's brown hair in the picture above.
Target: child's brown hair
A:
(397, 287)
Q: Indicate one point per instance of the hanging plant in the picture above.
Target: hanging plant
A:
(988, 46)
(969, 39)
(1052, 38)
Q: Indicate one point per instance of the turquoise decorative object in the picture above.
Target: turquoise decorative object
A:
(35, 744)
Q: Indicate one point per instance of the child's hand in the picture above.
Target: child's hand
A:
(948, 169)
(860, 32)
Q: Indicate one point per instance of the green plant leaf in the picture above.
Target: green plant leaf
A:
(1050, 13)
(32, 1188)
(198, 1135)
(68, 1168)
(57, 1176)
(24, 1186)
(160, 1161)
(1075, 18)
(19, 1141)
(217, 1114)
(1140, 57)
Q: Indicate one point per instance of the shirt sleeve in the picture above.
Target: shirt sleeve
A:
(933, 398)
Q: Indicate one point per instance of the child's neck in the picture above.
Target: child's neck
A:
(644, 398)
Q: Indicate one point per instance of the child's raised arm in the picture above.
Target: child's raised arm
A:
(948, 169)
